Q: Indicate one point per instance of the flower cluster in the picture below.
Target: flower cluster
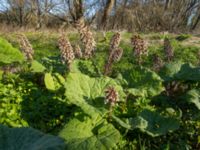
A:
(86, 38)
(111, 96)
(67, 54)
(169, 52)
(115, 41)
(115, 53)
(77, 51)
(26, 47)
(140, 47)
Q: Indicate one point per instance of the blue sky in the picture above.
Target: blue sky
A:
(2, 5)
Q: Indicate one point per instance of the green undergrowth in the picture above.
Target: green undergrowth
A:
(155, 110)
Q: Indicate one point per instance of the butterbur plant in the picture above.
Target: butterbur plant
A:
(26, 47)
(157, 62)
(86, 38)
(111, 98)
(115, 56)
(115, 41)
(139, 48)
(66, 50)
(77, 51)
(115, 53)
(168, 49)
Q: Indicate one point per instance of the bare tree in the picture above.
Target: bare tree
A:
(75, 9)
(106, 12)
(140, 15)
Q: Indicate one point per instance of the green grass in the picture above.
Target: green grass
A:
(45, 45)
(183, 37)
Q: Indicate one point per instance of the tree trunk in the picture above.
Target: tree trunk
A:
(20, 16)
(123, 12)
(167, 4)
(107, 10)
(196, 23)
(39, 14)
(76, 10)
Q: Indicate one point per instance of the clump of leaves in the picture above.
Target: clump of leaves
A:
(143, 82)
(67, 54)
(193, 97)
(89, 93)
(153, 123)
(183, 37)
(28, 138)
(53, 82)
(89, 133)
(168, 49)
(86, 38)
(26, 47)
(178, 71)
(11, 98)
(9, 54)
(139, 47)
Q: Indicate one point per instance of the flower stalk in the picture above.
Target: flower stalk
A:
(114, 56)
(86, 37)
(168, 49)
(139, 48)
(66, 50)
(26, 47)
(115, 41)
(111, 98)
(115, 53)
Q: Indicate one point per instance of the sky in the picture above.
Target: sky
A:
(2, 5)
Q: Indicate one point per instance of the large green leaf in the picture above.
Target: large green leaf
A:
(143, 82)
(85, 67)
(188, 73)
(28, 139)
(88, 93)
(37, 67)
(153, 123)
(60, 79)
(169, 70)
(179, 71)
(53, 82)
(49, 82)
(90, 134)
(1, 74)
(193, 96)
(9, 54)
